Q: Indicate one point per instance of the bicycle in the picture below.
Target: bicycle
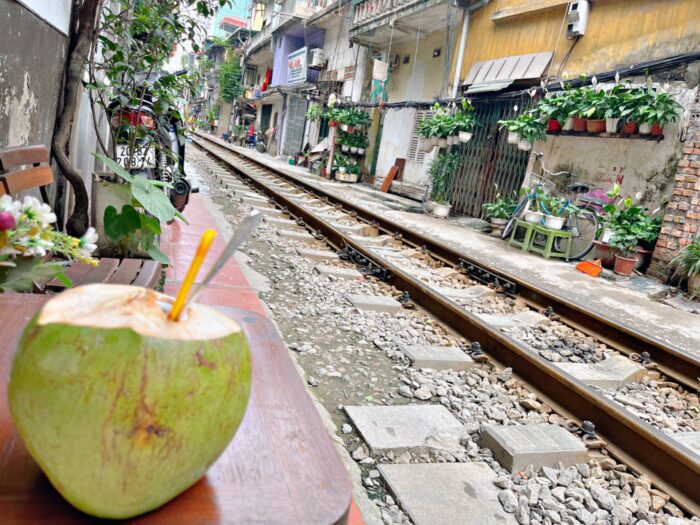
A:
(584, 223)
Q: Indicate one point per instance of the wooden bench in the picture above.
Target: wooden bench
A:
(27, 168)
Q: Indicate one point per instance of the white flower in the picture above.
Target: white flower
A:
(38, 211)
(9, 205)
(88, 243)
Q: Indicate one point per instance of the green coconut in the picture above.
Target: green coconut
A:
(122, 408)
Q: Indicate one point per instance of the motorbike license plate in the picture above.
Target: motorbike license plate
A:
(144, 157)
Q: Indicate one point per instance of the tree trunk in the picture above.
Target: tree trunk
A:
(82, 33)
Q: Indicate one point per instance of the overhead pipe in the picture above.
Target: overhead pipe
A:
(463, 44)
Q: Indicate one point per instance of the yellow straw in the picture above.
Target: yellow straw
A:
(204, 245)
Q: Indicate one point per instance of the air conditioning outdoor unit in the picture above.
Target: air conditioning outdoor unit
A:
(317, 59)
(577, 18)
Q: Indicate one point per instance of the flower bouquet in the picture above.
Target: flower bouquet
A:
(26, 236)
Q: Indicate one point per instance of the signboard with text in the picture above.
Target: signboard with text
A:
(296, 66)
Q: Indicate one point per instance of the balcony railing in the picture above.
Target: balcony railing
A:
(259, 39)
(373, 9)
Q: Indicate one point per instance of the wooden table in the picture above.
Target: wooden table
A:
(281, 467)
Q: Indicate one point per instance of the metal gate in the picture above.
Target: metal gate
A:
(296, 120)
(489, 164)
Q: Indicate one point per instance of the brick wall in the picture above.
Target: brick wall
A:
(682, 219)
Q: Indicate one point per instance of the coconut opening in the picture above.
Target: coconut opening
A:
(143, 310)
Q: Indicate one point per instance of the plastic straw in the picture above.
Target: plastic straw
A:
(204, 245)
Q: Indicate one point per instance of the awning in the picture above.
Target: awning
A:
(494, 85)
(494, 75)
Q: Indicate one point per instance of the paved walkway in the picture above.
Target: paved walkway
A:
(625, 305)
(230, 287)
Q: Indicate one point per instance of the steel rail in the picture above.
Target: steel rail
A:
(671, 361)
(647, 450)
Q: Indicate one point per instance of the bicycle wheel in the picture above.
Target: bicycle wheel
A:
(585, 227)
(520, 209)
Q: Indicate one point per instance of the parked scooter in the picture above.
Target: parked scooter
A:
(260, 142)
(159, 153)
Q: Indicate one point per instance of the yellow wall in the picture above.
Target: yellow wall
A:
(619, 33)
(429, 71)
(258, 17)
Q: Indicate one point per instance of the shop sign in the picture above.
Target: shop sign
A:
(296, 66)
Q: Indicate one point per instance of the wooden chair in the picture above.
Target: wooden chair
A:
(27, 168)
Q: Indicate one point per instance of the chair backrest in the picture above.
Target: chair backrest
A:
(25, 168)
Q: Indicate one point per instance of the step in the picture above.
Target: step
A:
(347, 274)
(437, 357)
(374, 303)
(318, 255)
(303, 237)
(541, 445)
(611, 373)
(447, 493)
(401, 428)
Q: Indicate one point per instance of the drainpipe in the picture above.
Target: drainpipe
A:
(463, 44)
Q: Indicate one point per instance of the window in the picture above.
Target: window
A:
(415, 154)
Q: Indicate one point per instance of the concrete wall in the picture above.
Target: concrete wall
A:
(31, 68)
(619, 32)
(396, 137)
(639, 166)
(427, 81)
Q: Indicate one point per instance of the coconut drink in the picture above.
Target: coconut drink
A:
(122, 407)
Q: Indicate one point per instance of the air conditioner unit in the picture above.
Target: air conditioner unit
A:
(317, 58)
(577, 18)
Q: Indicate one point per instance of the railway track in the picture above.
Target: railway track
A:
(645, 449)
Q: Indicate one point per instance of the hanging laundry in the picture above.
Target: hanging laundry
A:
(379, 72)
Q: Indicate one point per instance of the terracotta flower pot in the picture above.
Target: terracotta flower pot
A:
(694, 285)
(595, 125)
(579, 124)
(332, 124)
(656, 130)
(630, 128)
(553, 125)
(624, 265)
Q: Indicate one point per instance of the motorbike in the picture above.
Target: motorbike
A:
(158, 153)
(260, 141)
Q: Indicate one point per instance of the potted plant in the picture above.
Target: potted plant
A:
(425, 130)
(631, 226)
(465, 122)
(513, 127)
(660, 108)
(441, 171)
(332, 115)
(632, 100)
(498, 213)
(688, 261)
(593, 108)
(315, 112)
(556, 210)
(613, 109)
(340, 162)
(556, 108)
(624, 243)
(578, 106)
(531, 129)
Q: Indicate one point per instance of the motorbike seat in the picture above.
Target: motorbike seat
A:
(578, 187)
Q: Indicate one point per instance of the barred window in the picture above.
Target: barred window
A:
(415, 154)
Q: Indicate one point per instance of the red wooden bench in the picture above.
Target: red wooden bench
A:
(27, 168)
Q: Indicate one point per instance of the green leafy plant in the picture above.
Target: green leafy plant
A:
(688, 260)
(629, 224)
(659, 108)
(530, 126)
(315, 112)
(138, 224)
(231, 78)
(501, 208)
(441, 172)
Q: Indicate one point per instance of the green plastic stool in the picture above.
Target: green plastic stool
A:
(529, 228)
(548, 250)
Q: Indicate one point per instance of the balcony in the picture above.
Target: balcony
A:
(261, 40)
(378, 22)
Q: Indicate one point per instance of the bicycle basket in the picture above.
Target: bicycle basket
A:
(536, 179)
